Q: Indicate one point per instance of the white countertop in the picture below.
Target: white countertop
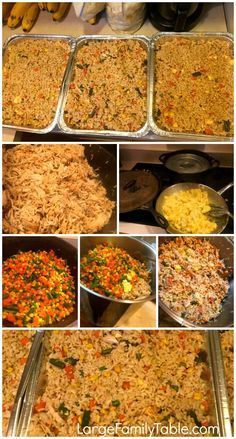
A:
(212, 21)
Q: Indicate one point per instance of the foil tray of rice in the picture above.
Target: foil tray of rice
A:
(192, 88)
(34, 71)
(102, 378)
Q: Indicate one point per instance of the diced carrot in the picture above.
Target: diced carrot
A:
(208, 131)
(75, 420)
(142, 338)
(69, 371)
(24, 341)
(92, 404)
(10, 317)
(23, 360)
(126, 385)
(40, 406)
(163, 388)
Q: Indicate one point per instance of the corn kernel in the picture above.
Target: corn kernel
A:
(197, 396)
(93, 378)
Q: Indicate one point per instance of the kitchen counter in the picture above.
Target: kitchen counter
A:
(212, 21)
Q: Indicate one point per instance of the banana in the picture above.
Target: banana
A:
(61, 12)
(6, 9)
(92, 20)
(30, 17)
(42, 6)
(17, 13)
(52, 7)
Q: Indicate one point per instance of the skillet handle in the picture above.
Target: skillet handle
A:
(163, 157)
(225, 188)
(214, 163)
(160, 219)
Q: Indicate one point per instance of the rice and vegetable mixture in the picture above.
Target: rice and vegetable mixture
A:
(132, 377)
(194, 85)
(52, 189)
(38, 289)
(33, 71)
(227, 346)
(109, 87)
(192, 278)
(15, 349)
(111, 271)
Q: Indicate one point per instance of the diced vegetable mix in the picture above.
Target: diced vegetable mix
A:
(111, 271)
(38, 289)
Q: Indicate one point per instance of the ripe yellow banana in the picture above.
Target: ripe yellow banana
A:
(42, 6)
(61, 12)
(52, 7)
(92, 20)
(17, 13)
(6, 9)
(30, 17)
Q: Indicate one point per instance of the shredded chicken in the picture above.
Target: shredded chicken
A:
(52, 189)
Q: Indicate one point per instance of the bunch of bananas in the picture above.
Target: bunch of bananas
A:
(26, 13)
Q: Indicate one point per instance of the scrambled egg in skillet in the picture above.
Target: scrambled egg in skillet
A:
(186, 211)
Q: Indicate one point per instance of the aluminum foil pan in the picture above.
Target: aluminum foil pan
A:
(226, 317)
(220, 411)
(220, 389)
(105, 133)
(13, 40)
(153, 125)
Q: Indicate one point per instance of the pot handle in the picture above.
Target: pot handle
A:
(164, 156)
(214, 163)
(225, 188)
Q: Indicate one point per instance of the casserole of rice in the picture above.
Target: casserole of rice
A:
(100, 378)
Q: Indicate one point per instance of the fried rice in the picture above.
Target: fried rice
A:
(192, 278)
(33, 72)
(194, 85)
(108, 90)
(100, 378)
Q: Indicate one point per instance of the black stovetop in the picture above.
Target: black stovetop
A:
(216, 178)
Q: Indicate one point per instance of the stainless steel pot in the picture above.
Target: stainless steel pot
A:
(135, 247)
(226, 317)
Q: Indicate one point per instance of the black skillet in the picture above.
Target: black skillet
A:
(138, 190)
